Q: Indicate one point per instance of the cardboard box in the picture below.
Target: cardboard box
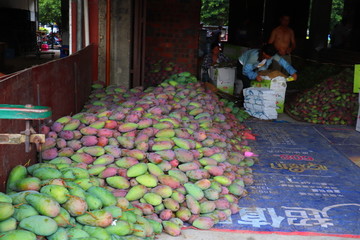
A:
(277, 84)
(223, 78)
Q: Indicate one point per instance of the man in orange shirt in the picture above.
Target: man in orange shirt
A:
(283, 38)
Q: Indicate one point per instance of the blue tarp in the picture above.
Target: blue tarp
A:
(304, 181)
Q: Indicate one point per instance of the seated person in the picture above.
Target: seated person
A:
(215, 57)
(255, 60)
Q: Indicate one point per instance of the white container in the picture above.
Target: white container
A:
(223, 78)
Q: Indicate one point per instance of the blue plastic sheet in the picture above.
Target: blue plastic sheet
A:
(303, 183)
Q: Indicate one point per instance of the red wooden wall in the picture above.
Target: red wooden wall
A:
(64, 85)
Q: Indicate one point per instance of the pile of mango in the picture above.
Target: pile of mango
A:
(329, 102)
(156, 71)
(133, 164)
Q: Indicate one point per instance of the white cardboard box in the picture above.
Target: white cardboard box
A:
(223, 78)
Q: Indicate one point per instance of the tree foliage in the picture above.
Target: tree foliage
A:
(49, 11)
(215, 12)
(336, 13)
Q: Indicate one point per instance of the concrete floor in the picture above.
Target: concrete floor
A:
(191, 234)
(29, 60)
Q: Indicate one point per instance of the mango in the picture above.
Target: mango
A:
(127, 127)
(181, 176)
(166, 154)
(116, 212)
(85, 183)
(72, 125)
(95, 151)
(207, 207)
(145, 123)
(93, 202)
(126, 142)
(6, 210)
(5, 198)
(198, 174)
(170, 181)
(118, 182)
(17, 173)
(66, 135)
(75, 189)
(40, 225)
(104, 195)
(153, 198)
(237, 190)
(157, 227)
(167, 133)
(113, 150)
(184, 155)
(77, 233)
(135, 153)
(211, 194)
(121, 228)
(163, 125)
(136, 192)
(185, 167)
(126, 162)
(60, 160)
(88, 141)
(88, 131)
(96, 170)
(222, 204)
(108, 172)
(76, 206)
(194, 191)
(154, 169)
(162, 145)
(8, 225)
(222, 180)
(19, 197)
(214, 170)
(74, 173)
(192, 204)
(203, 223)
(44, 204)
(63, 219)
(182, 143)
(18, 234)
(171, 228)
(97, 232)
(98, 124)
(59, 193)
(137, 170)
(163, 190)
(74, 144)
(147, 180)
(60, 234)
(47, 173)
(29, 183)
(203, 184)
(183, 213)
(171, 204)
(96, 218)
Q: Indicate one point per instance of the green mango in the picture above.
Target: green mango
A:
(5, 198)
(60, 234)
(18, 234)
(44, 204)
(40, 225)
(63, 219)
(17, 173)
(121, 228)
(47, 173)
(8, 225)
(24, 211)
(6, 210)
(96, 218)
(97, 232)
(59, 193)
(104, 195)
(93, 202)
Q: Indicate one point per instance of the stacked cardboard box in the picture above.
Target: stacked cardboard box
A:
(260, 102)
